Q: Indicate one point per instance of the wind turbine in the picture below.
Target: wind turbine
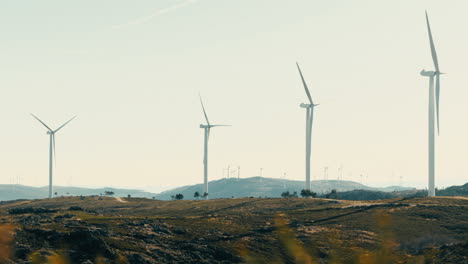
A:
(309, 118)
(433, 98)
(52, 154)
(207, 128)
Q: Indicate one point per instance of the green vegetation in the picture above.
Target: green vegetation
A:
(287, 194)
(308, 193)
(332, 195)
(178, 196)
(109, 193)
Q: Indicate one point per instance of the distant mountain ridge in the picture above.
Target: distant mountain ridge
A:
(223, 188)
(268, 187)
(244, 187)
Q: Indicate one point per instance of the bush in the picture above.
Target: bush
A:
(332, 195)
(75, 208)
(287, 194)
(308, 193)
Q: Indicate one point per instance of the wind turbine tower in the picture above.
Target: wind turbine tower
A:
(309, 119)
(433, 110)
(325, 173)
(206, 129)
(340, 173)
(52, 152)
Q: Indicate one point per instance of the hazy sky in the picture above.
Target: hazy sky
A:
(132, 70)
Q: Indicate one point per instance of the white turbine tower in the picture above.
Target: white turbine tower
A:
(433, 99)
(207, 128)
(309, 118)
(51, 134)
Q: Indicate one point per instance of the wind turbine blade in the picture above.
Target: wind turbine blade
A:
(204, 112)
(304, 83)
(437, 91)
(219, 125)
(431, 41)
(64, 124)
(42, 122)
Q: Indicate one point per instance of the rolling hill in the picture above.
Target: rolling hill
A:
(224, 188)
(454, 191)
(267, 187)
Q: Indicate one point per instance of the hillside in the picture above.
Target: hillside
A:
(244, 230)
(245, 187)
(15, 191)
(454, 191)
(267, 187)
(362, 195)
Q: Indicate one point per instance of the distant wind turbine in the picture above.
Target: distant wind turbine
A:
(432, 93)
(309, 118)
(207, 128)
(52, 154)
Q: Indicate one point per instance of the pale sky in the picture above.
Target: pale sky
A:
(132, 70)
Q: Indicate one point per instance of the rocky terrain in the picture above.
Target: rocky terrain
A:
(245, 230)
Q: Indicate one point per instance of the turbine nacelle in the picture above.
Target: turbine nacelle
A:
(308, 105)
(210, 126)
(428, 73)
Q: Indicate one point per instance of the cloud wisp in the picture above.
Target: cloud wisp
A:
(155, 14)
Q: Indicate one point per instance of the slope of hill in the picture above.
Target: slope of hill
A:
(454, 191)
(266, 187)
(362, 195)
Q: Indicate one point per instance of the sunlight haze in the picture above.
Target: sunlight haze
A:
(131, 71)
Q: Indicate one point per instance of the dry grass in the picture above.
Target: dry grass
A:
(258, 230)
